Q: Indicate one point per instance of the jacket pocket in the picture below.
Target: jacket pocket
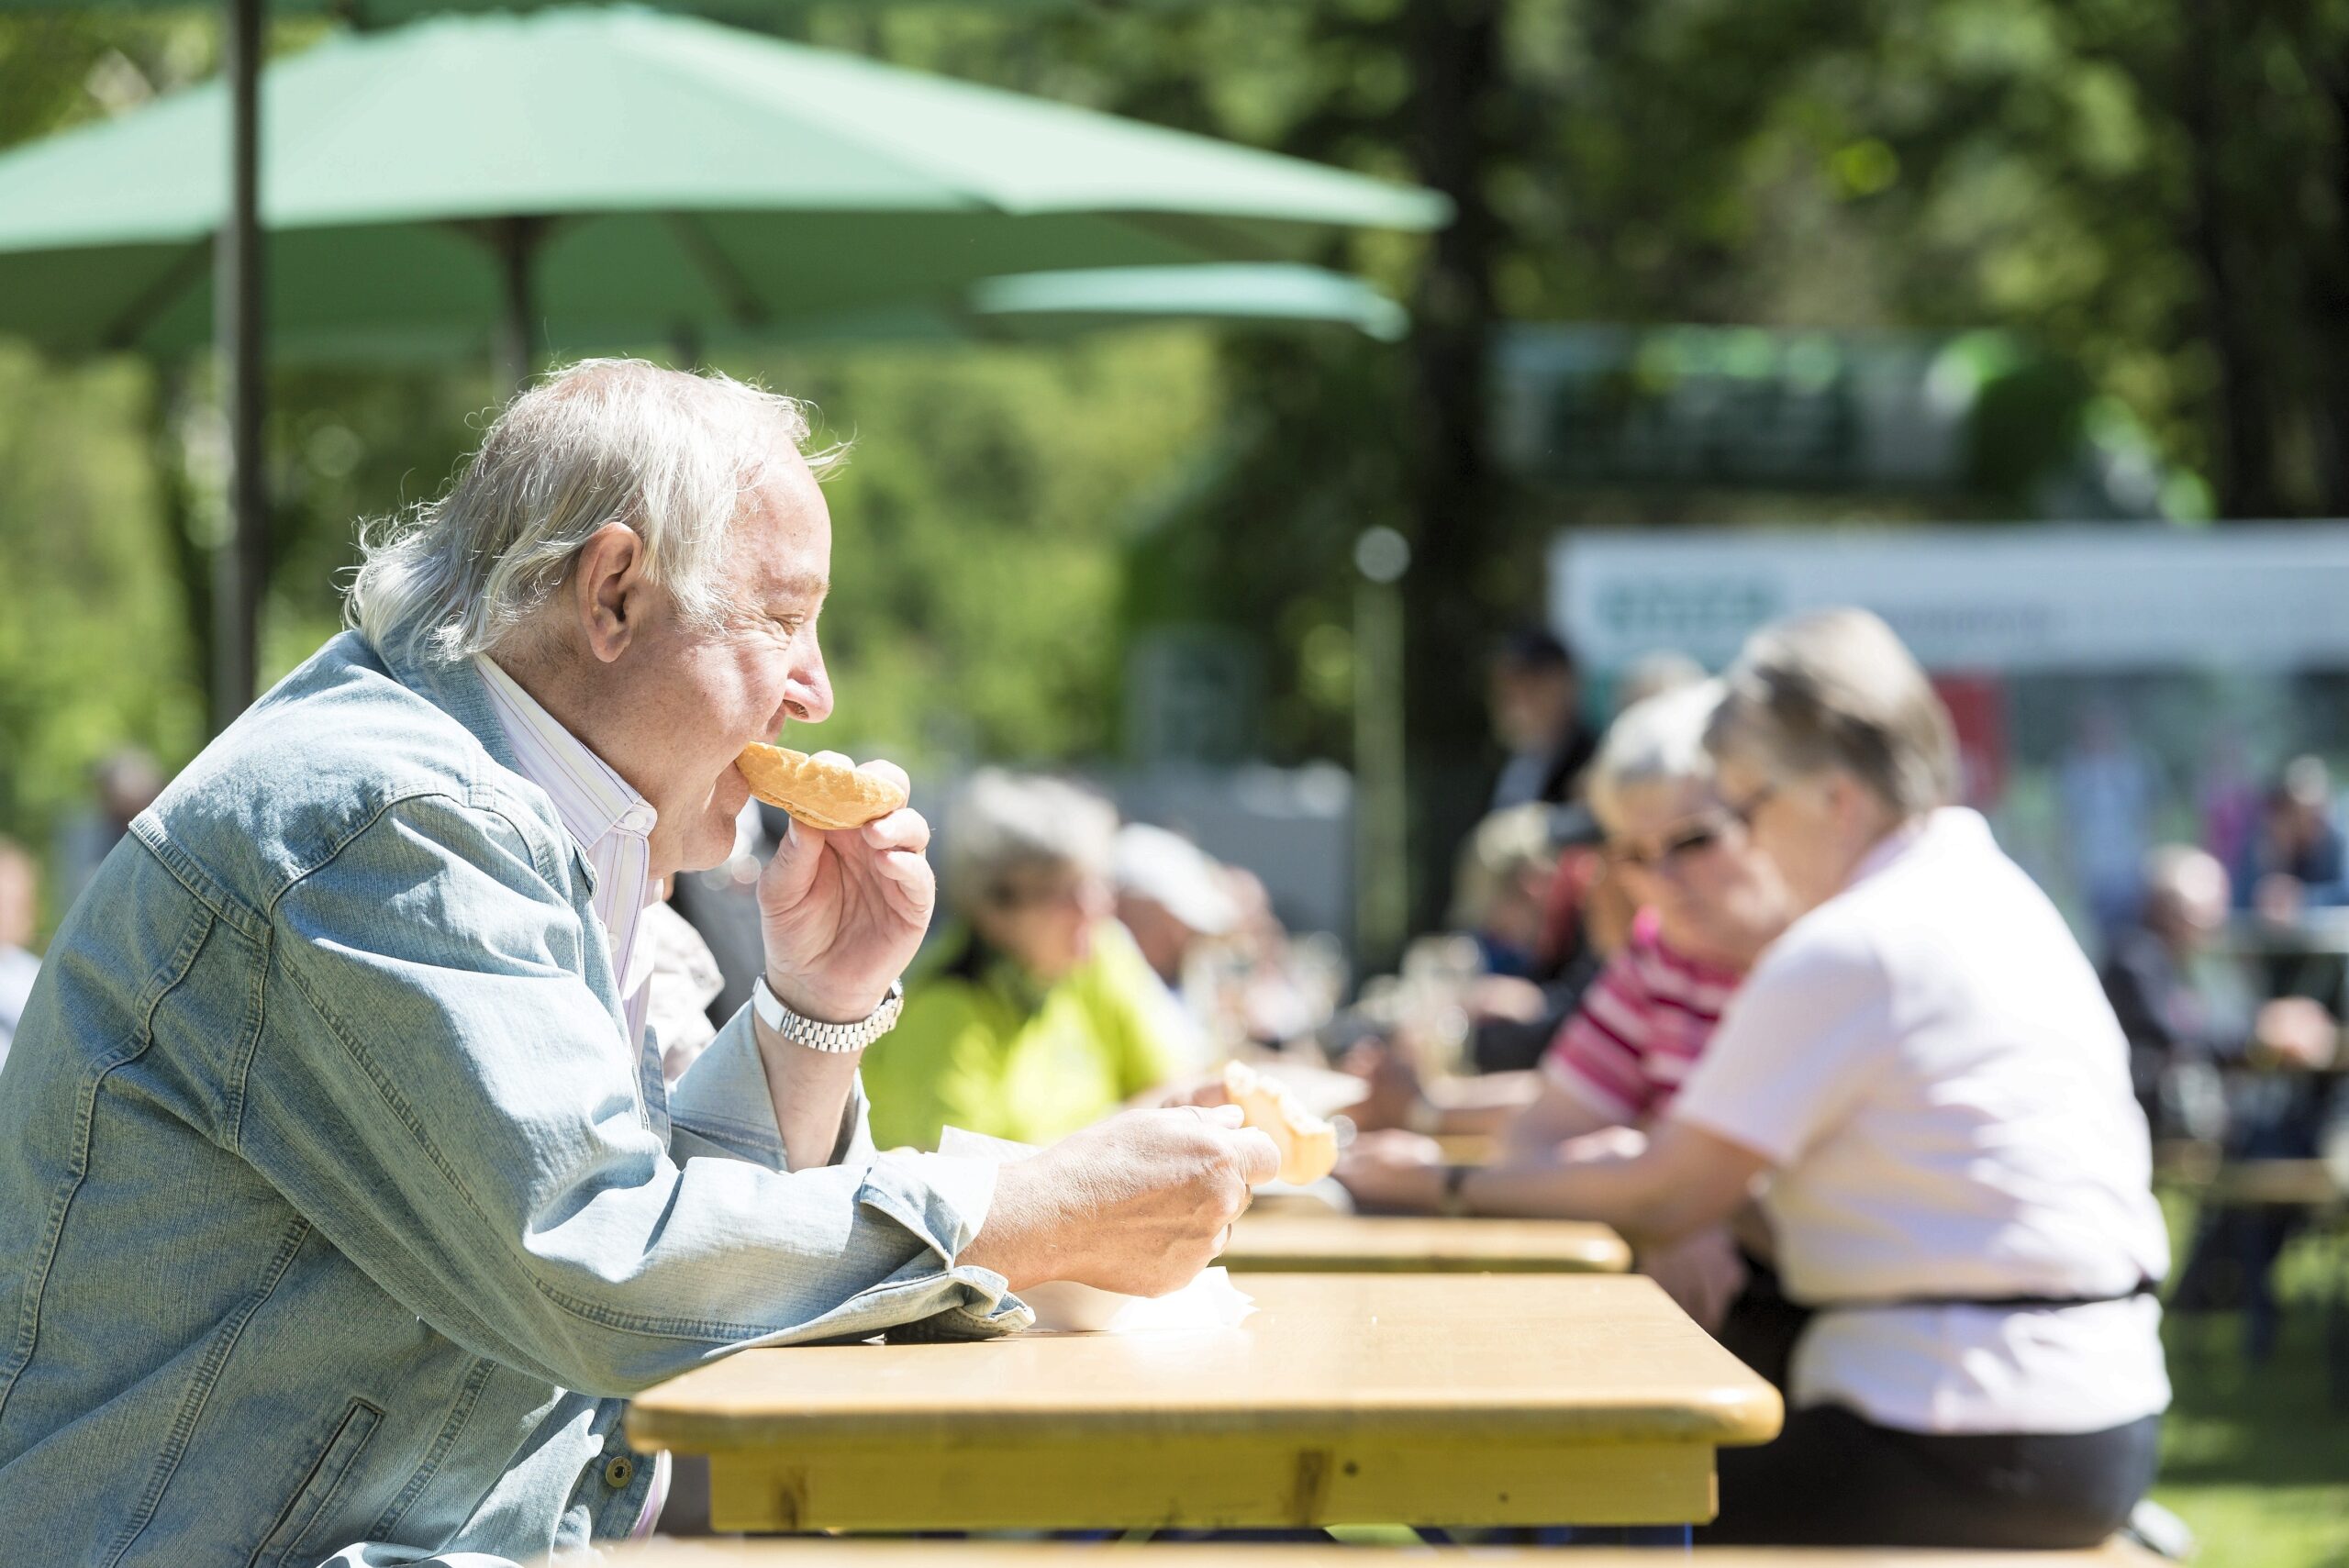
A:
(290, 1542)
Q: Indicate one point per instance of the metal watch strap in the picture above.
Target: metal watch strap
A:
(832, 1038)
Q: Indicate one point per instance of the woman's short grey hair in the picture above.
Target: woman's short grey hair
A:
(1657, 740)
(671, 454)
(1006, 830)
(1835, 689)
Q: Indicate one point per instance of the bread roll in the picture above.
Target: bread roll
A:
(822, 794)
(1308, 1145)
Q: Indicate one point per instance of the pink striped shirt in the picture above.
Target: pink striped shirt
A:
(1641, 1027)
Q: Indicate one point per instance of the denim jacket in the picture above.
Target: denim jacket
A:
(338, 1214)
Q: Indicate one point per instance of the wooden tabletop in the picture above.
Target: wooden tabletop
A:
(1344, 1400)
(1287, 1554)
(2305, 1183)
(1294, 1241)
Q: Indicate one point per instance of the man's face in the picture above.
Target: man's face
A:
(690, 699)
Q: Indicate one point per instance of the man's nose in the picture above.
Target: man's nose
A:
(808, 694)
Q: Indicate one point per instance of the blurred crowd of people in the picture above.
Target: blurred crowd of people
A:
(1734, 971)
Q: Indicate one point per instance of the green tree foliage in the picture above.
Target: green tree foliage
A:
(2154, 195)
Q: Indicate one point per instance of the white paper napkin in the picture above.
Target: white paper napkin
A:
(1210, 1301)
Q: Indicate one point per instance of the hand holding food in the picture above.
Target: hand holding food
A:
(1137, 1204)
(1308, 1145)
(823, 791)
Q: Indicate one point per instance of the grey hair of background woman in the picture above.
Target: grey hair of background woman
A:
(1004, 827)
(1657, 741)
(671, 454)
(1836, 689)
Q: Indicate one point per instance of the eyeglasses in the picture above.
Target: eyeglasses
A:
(1745, 810)
(1693, 839)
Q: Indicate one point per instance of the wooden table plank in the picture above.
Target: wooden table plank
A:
(1345, 1399)
(1294, 1241)
(804, 1553)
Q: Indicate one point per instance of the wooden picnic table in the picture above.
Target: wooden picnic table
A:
(1509, 1399)
(803, 1554)
(2300, 1184)
(1295, 1241)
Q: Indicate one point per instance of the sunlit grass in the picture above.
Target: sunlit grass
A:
(2256, 1459)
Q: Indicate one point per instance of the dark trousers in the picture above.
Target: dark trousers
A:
(1833, 1478)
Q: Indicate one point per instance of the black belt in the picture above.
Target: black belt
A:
(1996, 1303)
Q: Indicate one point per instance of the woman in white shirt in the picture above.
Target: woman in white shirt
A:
(1926, 1070)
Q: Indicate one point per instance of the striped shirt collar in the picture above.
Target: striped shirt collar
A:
(611, 822)
(590, 799)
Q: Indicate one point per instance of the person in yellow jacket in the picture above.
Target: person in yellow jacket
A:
(1035, 1014)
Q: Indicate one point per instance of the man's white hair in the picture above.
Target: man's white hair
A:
(671, 454)
(1659, 740)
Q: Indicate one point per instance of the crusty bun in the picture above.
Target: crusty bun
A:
(820, 793)
(1308, 1145)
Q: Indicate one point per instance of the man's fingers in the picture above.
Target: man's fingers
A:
(904, 829)
(1260, 1157)
(1225, 1115)
(895, 774)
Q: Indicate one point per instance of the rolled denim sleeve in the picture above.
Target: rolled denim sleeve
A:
(440, 1090)
(724, 1107)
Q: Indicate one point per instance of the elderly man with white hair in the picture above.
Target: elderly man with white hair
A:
(341, 1203)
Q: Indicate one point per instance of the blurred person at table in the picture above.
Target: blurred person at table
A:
(124, 783)
(1707, 904)
(1039, 1015)
(1926, 1070)
(19, 910)
(1535, 697)
(1175, 902)
(2107, 785)
(335, 1160)
(2183, 1025)
(2296, 860)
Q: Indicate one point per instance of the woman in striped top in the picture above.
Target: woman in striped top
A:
(1708, 904)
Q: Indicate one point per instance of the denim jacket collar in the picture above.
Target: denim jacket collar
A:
(455, 687)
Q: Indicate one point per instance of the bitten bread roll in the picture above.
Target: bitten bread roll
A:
(822, 793)
(1308, 1145)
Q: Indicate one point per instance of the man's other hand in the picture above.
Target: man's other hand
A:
(1138, 1204)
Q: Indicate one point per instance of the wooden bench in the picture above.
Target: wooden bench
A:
(813, 1554)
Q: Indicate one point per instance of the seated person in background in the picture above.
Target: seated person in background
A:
(1039, 1015)
(1531, 892)
(1173, 901)
(1535, 697)
(1960, 1184)
(2296, 859)
(1708, 903)
(2180, 1033)
(2205, 1066)
(1501, 889)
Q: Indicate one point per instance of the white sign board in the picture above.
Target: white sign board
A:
(2263, 596)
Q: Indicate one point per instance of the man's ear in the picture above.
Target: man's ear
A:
(609, 590)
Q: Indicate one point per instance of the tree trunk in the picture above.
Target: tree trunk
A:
(2246, 446)
(1453, 48)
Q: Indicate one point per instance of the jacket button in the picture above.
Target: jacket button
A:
(620, 1472)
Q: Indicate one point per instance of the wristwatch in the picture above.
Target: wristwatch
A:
(834, 1039)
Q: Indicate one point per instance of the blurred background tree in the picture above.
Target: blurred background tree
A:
(2156, 197)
